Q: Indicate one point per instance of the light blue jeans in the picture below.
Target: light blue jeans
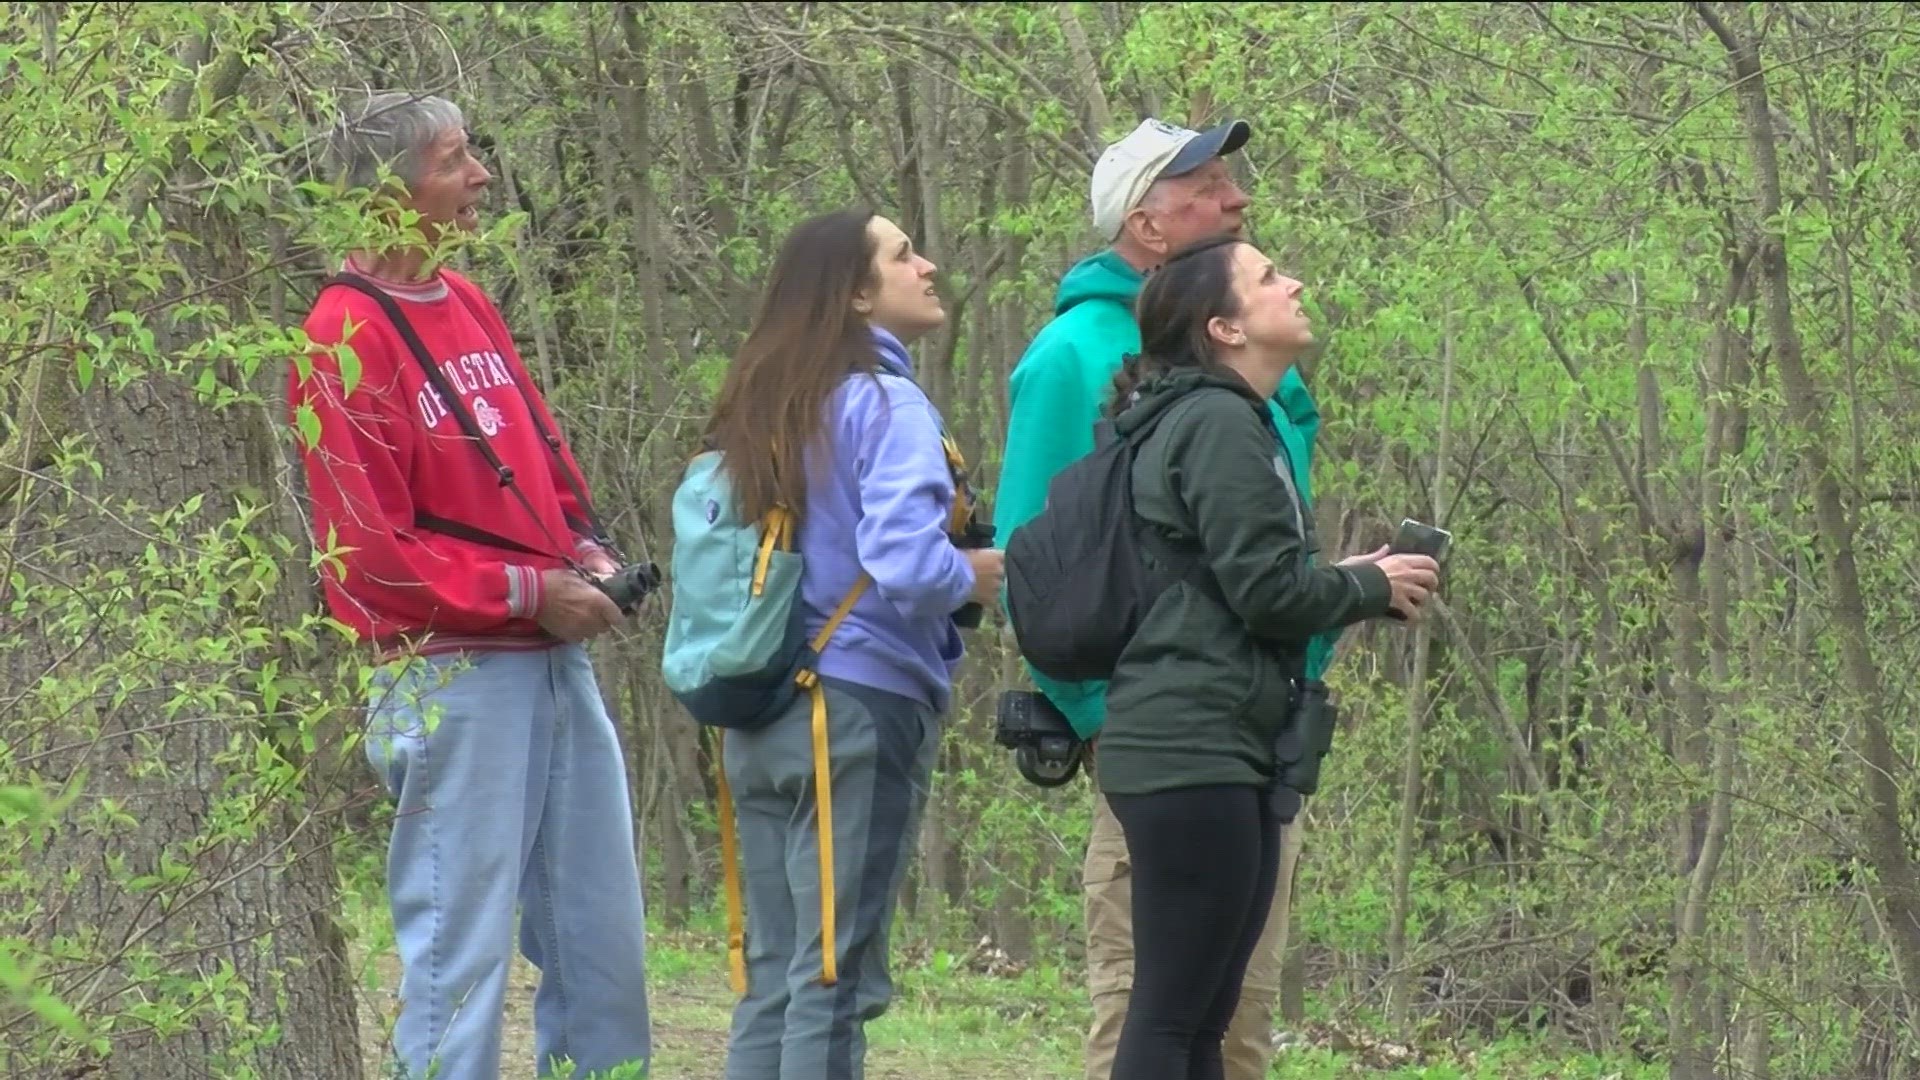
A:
(513, 806)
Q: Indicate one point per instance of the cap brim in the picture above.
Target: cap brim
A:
(1212, 143)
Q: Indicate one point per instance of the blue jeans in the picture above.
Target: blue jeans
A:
(512, 804)
(883, 748)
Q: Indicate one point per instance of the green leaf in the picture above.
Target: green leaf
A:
(83, 369)
(349, 368)
(309, 423)
(22, 803)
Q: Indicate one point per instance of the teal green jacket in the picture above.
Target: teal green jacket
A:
(1055, 396)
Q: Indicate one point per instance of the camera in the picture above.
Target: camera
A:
(973, 537)
(1045, 748)
(629, 585)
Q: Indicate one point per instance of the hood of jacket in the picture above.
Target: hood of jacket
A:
(1152, 398)
(894, 357)
(1100, 276)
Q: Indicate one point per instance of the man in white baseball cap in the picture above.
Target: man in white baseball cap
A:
(1155, 191)
(1157, 151)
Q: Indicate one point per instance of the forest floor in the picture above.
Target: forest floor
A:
(932, 1031)
(949, 1022)
(961, 1017)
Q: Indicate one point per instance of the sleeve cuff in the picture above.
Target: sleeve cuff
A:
(966, 582)
(523, 592)
(1376, 593)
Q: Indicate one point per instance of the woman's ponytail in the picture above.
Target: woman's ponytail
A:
(1183, 294)
(1134, 371)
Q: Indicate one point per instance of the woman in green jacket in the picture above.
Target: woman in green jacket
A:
(1205, 688)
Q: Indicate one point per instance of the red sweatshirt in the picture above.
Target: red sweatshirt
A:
(388, 449)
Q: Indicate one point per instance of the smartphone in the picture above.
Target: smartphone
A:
(1418, 538)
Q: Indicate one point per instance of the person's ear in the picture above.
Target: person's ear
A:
(1145, 230)
(1226, 332)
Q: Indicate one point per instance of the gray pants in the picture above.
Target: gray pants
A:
(882, 748)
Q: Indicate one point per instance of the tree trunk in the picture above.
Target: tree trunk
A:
(1755, 1050)
(170, 876)
(1086, 72)
(192, 876)
(1401, 978)
(1690, 1035)
(1898, 886)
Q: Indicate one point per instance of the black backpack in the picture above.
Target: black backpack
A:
(1078, 584)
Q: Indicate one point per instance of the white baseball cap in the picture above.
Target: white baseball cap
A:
(1154, 150)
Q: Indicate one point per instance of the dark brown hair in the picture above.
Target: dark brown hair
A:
(1182, 295)
(805, 340)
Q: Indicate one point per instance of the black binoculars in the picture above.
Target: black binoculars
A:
(1303, 742)
(629, 585)
(974, 537)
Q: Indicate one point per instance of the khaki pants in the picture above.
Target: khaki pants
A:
(1108, 884)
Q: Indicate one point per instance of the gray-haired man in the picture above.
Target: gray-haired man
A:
(474, 595)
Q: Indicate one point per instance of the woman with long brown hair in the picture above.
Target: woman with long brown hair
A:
(820, 415)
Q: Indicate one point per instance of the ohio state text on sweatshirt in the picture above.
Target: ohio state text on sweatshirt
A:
(388, 450)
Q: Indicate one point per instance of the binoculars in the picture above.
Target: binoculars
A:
(631, 584)
(972, 538)
(1302, 744)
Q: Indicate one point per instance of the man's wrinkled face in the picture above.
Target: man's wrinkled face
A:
(450, 183)
(1180, 210)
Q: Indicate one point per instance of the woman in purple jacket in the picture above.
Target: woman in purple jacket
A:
(820, 413)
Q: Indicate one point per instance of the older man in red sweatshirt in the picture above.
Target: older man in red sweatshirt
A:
(463, 550)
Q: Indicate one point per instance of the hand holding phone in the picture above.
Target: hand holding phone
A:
(1414, 579)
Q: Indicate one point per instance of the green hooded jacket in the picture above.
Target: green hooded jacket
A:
(1055, 395)
(1203, 689)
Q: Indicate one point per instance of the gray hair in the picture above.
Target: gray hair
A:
(391, 129)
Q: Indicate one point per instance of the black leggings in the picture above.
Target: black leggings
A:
(1204, 862)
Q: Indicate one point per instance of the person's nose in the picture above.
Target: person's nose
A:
(1236, 199)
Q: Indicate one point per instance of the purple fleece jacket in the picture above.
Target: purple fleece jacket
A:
(881, 504)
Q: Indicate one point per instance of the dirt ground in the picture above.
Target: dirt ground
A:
(689, 1028)
(690, 1017)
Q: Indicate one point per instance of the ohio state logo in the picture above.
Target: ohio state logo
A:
(467, 375)
(490, 419)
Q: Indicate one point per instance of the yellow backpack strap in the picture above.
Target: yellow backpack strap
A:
(962, 510)
(776, 535)
(823, 804)
(823, 785)
(807, 677)
(730, 859)
(823, 815)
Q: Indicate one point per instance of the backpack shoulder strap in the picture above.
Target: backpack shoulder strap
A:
(808, 677)
(1180, 555)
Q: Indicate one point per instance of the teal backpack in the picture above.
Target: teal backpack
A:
(736, 653)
